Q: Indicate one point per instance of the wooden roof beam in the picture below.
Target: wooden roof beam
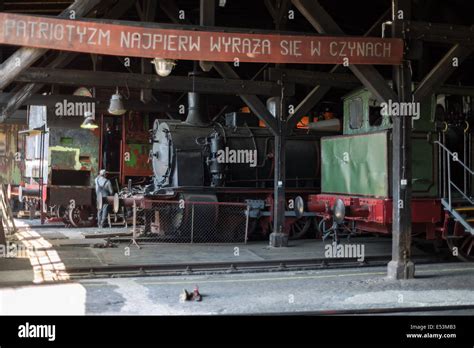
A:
(26, 56)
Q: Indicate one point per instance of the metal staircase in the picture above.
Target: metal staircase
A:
(457, 202)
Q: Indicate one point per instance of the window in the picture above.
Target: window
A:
(355, 113)
(375, 116)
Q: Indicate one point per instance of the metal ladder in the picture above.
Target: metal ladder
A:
(461, 207)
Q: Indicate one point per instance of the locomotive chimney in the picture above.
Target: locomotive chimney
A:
(197, 113)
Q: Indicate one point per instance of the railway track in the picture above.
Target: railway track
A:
(173, 269)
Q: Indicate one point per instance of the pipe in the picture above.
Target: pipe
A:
(317, 206)
(196, 116)
(333, 125)
(126, 202)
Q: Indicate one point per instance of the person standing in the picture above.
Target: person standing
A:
(103, 188)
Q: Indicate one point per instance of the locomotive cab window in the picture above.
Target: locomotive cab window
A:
(375, 116)
(355, 113)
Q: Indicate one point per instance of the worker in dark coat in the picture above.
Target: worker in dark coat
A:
(103, 188)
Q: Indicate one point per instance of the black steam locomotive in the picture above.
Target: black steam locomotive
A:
(198, 160)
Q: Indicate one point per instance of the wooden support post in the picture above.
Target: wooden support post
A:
(149, 14)
(207, 18)
(401, 267)
(278, 238)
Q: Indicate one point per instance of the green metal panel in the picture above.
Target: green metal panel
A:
(360, 164)
(424, 172)
(356, 164)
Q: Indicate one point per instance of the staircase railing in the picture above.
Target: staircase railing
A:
(448, 184)
(452, 157)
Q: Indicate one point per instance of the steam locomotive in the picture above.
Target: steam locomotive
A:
(196, 160)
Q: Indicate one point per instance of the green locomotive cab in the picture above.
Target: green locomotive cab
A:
(359, 162)
(356, 174)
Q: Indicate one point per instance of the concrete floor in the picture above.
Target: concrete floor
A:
(440, 285)
(263, 293)
(76, 251)
(287, 292)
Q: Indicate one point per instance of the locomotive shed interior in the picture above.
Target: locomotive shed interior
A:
(238, 137)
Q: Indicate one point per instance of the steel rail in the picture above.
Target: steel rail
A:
(231, 267)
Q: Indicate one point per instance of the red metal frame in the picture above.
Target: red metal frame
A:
(424, 210)
(375, 214)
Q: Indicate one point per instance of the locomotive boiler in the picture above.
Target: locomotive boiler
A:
(196, 153)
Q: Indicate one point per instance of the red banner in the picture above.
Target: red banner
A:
(145, 40)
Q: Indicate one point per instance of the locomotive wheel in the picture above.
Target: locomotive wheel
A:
(464, 245)
(80, 216)
(61, 212)
(300, 227)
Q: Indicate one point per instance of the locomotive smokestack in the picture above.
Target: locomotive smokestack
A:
(197, 113)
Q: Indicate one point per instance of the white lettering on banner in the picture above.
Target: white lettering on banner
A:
(147, 41)
(239, 45)
(58, 32)
(137, 41)
(359, 49)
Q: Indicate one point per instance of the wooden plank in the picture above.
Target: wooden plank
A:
(442, 71)
(100, 104)
(252, 101)
(149, 40)
(169, 83)
(314, 78)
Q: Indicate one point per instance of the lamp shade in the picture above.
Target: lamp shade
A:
(116, 106)
(89, 122)
(163, 67)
